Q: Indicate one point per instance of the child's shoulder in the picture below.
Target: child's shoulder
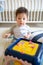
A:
(13, 26)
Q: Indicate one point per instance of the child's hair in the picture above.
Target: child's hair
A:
(21, 10)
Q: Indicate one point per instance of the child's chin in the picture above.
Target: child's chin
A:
(21, 23)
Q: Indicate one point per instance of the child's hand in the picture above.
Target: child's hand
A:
(7, 35)
(24, 62)
(27, 36)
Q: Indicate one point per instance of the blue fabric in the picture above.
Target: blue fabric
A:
(41, 61)
(37, 36)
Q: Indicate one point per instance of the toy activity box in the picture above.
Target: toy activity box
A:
(26, 50)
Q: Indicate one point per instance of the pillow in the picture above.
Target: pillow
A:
(37, 36)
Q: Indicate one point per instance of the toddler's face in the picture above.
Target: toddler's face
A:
(21, 19)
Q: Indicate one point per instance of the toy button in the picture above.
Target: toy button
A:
(30, 42)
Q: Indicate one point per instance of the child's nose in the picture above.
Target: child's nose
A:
(21, 20)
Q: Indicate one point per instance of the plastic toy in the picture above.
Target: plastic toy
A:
(26, 50)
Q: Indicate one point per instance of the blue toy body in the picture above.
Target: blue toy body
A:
(35, 59)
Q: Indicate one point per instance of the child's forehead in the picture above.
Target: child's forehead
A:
(22, 15)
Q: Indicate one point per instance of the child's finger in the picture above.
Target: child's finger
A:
(14, 58)
(26, 63)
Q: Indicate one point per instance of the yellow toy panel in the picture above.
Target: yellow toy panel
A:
(17, 63)
(26, 47)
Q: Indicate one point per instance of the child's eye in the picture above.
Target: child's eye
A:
(19, 18)
(23, 18)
